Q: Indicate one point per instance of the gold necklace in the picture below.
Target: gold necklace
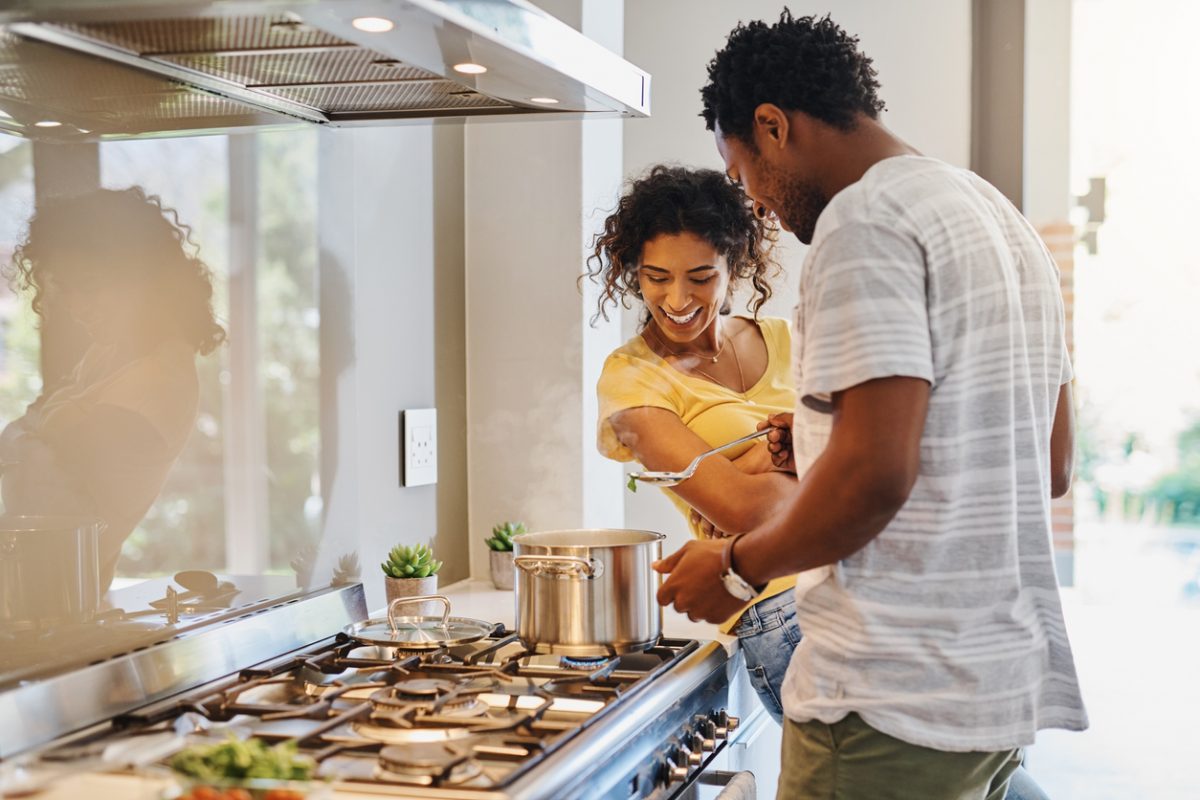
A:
(736, 360)
(663, 343)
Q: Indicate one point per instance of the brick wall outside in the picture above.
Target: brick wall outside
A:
(1060, 239)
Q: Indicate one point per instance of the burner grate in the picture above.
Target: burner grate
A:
(472, 717)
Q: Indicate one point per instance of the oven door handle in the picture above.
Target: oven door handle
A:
(738, 785)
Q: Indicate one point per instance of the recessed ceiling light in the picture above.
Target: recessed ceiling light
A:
(373, 24)
(549, 101)
(467, 68)
(48, 123)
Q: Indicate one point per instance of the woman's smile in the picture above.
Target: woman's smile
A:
(683, 320)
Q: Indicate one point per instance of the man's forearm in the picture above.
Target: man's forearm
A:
(836, 509)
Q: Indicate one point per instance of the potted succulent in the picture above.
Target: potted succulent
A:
(411, 571)
(500, 552)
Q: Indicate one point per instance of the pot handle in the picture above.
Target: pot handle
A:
(537, 565)
(399, 601)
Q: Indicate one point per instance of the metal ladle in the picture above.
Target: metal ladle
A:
(666, 479)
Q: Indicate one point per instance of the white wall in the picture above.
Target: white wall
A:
(1046, 164)
(922, 51)
(378, 238)
(532, 360)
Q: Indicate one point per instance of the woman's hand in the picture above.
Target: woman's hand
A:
(779, 441)
(756, 460)
(706, 529)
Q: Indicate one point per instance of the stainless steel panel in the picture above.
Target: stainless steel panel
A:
(40, 81)
(307, 61)
(36, 712)
(626, 755)
(158, 37)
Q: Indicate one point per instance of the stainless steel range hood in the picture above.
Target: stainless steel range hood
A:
(156, 66)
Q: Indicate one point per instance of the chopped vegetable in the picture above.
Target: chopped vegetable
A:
(632, 483)
(212, 793)
(234, 760)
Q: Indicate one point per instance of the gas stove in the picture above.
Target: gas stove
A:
(482, 720)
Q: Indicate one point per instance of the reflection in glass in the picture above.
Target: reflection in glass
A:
(101, 441)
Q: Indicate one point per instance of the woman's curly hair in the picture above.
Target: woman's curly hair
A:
(121, 236)
(806, 64)
(671, 200)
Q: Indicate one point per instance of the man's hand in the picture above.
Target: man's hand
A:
(694, 585)
(779, 441)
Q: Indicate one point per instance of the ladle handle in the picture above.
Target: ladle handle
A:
(742, 440)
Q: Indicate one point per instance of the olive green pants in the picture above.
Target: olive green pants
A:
(850, 760)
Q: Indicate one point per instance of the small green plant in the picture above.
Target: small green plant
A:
(416, 561)
(502, 536)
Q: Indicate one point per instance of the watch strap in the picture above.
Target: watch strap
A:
(727, 563)
(727, 553)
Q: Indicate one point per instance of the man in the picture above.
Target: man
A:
(933, 427)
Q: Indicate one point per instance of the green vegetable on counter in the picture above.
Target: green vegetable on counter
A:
(234, 759)
(632, 485)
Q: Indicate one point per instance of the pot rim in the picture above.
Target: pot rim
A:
(621, 537)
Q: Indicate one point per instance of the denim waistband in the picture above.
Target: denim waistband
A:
(764, 615)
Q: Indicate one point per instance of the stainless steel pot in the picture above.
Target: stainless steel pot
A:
(587, 593)
(49, 570)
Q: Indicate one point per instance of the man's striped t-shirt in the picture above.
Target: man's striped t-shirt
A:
(946, 630)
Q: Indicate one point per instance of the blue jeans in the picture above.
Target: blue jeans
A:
(768, 633)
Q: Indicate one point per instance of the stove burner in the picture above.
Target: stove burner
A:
(583, 664)
(426, 764)
(422, 688)
(387, 734)
(424, 758)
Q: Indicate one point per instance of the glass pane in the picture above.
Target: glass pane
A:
(185, 526)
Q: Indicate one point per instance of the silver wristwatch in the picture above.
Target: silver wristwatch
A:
(735, 584)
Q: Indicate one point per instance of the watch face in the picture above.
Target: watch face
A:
(737, 587)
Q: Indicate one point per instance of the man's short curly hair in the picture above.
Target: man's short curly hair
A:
(672, 200)
(807, 64)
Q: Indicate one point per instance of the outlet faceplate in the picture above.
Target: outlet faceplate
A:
(418, 446)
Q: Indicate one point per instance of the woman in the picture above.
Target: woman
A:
(680, 242)
(100, 441)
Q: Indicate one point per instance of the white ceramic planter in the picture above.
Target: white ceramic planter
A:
(412, 587)
(501, 563)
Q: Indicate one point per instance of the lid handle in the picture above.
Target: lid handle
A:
(400, 601)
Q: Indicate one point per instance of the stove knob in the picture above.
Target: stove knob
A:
(726, 721)
(694, 757)
(700, 743)
(719, 731)
(677, 761)
(707, 727)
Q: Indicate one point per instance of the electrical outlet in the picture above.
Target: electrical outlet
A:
(418, 446)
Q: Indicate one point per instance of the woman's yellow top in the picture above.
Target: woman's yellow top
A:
(634, 376)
